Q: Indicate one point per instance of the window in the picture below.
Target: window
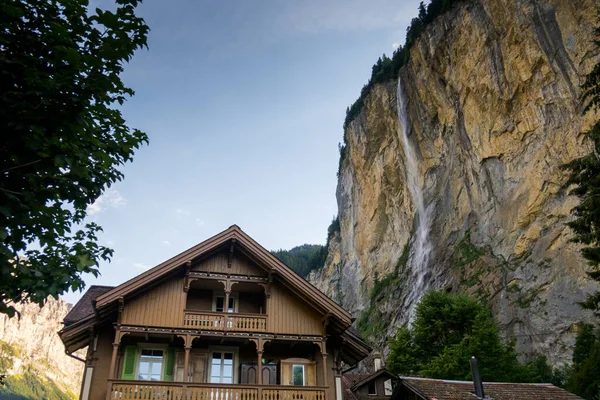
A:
(387, 385)
(221, 367)
(151, 365)
(219, 303)
(298, 375)
(372, 388)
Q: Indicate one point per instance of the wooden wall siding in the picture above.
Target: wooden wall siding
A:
(199, 300)
(162, 305)
(239, 266)
(289, 314)
(103, 356)
(251, 303)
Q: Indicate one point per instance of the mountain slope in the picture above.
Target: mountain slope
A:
(491, 91)
(33, 357)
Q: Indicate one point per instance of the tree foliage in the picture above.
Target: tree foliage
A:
(308, 257)
(585, 176)
(63, 138)
(448, 330)
(302, 259)
(585, 377)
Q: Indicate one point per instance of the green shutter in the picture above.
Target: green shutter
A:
(169, 364)
(129, 361)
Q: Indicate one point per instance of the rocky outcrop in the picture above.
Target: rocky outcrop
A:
(35, 345)
(493, 100)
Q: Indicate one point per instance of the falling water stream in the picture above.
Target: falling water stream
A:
(421, 244)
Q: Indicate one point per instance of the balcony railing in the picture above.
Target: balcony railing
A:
(147, 390)
(224, 321)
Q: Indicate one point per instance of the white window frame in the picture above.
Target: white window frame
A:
(223, 349)
(303, 374)
(151, 346)
(232, 295)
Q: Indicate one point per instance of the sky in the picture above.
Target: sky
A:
(243, 102)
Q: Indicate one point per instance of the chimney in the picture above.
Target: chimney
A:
(477, 379)
(377, 361)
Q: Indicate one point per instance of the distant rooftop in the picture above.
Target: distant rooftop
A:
(439, 389)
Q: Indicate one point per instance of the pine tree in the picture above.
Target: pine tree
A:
(585, 176)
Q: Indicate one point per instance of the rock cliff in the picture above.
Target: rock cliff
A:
(31, 344)
(493, 105)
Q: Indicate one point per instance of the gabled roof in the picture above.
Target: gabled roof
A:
(439, 389)
(382, 372)
(85, 306)
(348, 381)
(252, 249)
(352, 382)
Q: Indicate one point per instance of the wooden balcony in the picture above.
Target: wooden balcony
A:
(148, 390)
(225, 321)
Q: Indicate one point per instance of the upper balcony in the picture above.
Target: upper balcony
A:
(210, 306)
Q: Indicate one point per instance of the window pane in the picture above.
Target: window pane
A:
(157, 353)
(372, 388)
(156, 367)
(227, 371)
(144, 367)
(146, 352)
(231, 302)
(220, 303)
(298, 375)
(227, 380)
(215, 379)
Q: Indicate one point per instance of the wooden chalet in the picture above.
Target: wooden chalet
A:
(224, 320)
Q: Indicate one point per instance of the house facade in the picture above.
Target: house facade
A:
(223, 320)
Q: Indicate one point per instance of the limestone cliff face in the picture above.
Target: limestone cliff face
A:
(493, 99)
(38, 347)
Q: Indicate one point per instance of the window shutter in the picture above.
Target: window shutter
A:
(169, 364)
(310, 374)
(129, 361)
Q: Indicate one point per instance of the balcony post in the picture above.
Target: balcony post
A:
(324, 355)
(186, 360)
(259, 355)
(226, 305)
(113, 360)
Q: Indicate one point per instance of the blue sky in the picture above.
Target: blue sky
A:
(243, 101)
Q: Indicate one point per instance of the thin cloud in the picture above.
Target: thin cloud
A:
(166, 243)
(200, 221)
(347, 15)
(109, 199)
(182, 212)
(141, 266)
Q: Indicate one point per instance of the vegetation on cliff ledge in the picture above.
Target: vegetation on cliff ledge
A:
(27, 385)
(387, 68)
(308, 257)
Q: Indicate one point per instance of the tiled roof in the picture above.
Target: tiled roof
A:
(85, 305)
(349, 380)
(437, 389)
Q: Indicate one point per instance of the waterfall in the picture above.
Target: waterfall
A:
(421, 244)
